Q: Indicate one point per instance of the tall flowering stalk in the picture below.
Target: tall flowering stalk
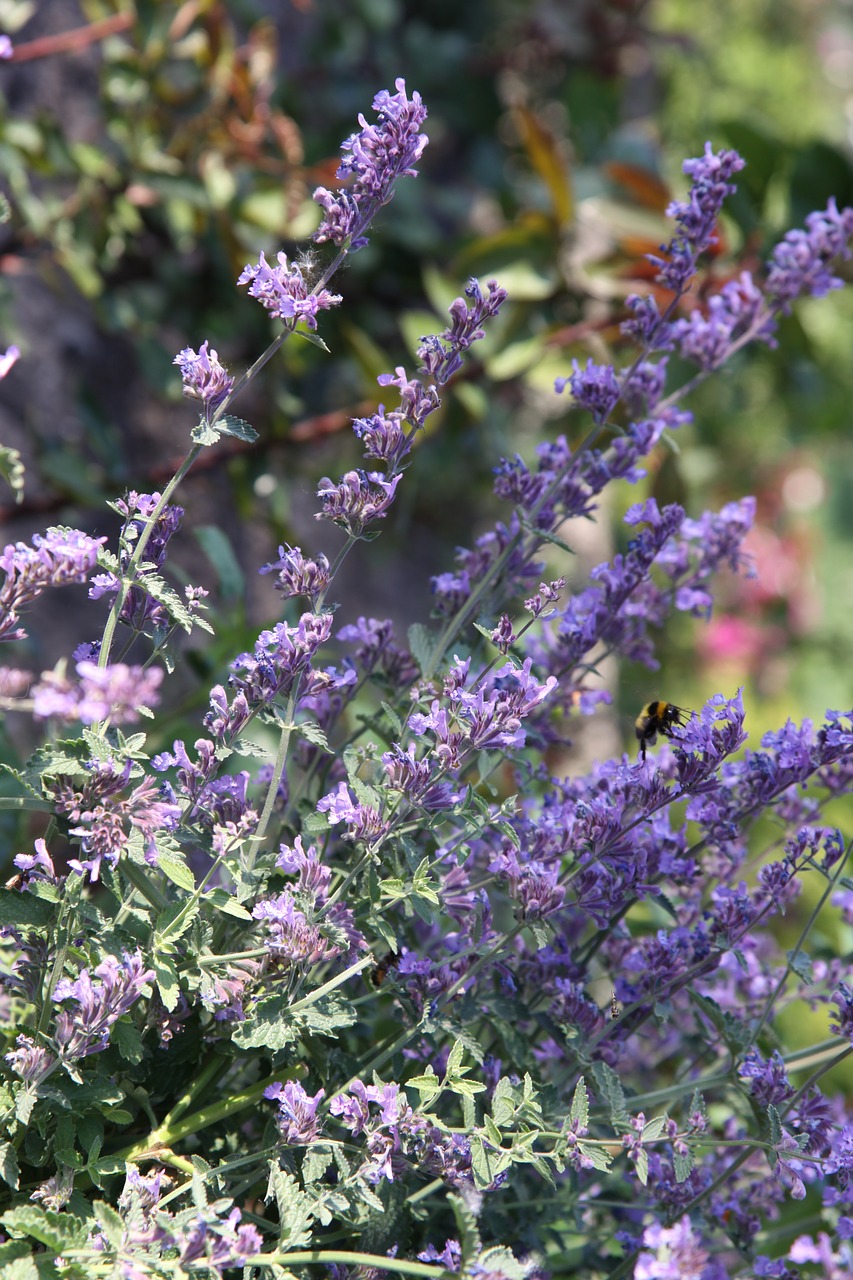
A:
(386, 994)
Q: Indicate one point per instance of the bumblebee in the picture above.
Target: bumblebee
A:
(379, 972)
(655, 718)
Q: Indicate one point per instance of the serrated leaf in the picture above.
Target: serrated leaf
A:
(508, 830)
(503, 1104)
(176, 871)
(204, 434)
(254, 750)
(466, 1231)
(17, 1262)
(167, 981)
(269, 1026)
(9, 1170)
(610, 1088)
(57, 1231)
(492, 1131)
(421, 645)
(308, 335)
(774, 1125)
(454, 1059)
(227, 904)
(25, 1100)
(642, 1166)
(486, 1164)
(314, 734)
(12, 470)
(465, 1088)
(19, 909)
(237, 427)
(682, 1163)
(801, 965)
(111, 1223)
(427, 1086)
(597, 1155)
(393, 719)
(325, 1015)
(174, 920)
(128, 1040)
(654, 1128)
(580, 1104)
(149, 581)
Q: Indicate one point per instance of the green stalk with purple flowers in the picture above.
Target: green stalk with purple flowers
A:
(323, 996)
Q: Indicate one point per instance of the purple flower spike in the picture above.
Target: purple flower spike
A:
(800, 264)
(441, 354)
(711, 176)
(283, 292)
(204, 377)
(298, 576)
(98, 1004)
(374, 159)
(297, 1117)
(60, 557)
(594, 388)
(361, 498)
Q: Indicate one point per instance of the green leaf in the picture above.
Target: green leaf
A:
(269, 1026)
(466, 1230)
(126, 1037)
(17, 1262)
(427, 1086)
(19, 909)
(610, 1088)
(9, 1170)
(393, 719)
(654, 1128)
(314, 734)
(454, 1059)
(56, 1231)
(682, 1163)
(492, 1131)
(228, 904)
(801, 964)
(238, 428)
(421, 644)
(205, 434)
(503, 1103)
(148, 580)
(174, 921)
(774, 1125)
(12, 470)
(642, 1165)
(176, 871)
(600, 1158)
(465, 1088)
(308, 335)
(734, 1031)
(167, 981)
(486, 1163)
(580, 1105)
(111, 1223)
(325, 1015)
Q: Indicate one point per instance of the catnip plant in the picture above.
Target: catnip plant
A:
(316, 989)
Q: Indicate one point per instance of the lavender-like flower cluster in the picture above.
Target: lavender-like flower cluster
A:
(362, 980)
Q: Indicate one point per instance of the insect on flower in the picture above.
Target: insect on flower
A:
(379, 973)
(655, 718)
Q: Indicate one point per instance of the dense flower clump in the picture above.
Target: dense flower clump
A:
(358, 977)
